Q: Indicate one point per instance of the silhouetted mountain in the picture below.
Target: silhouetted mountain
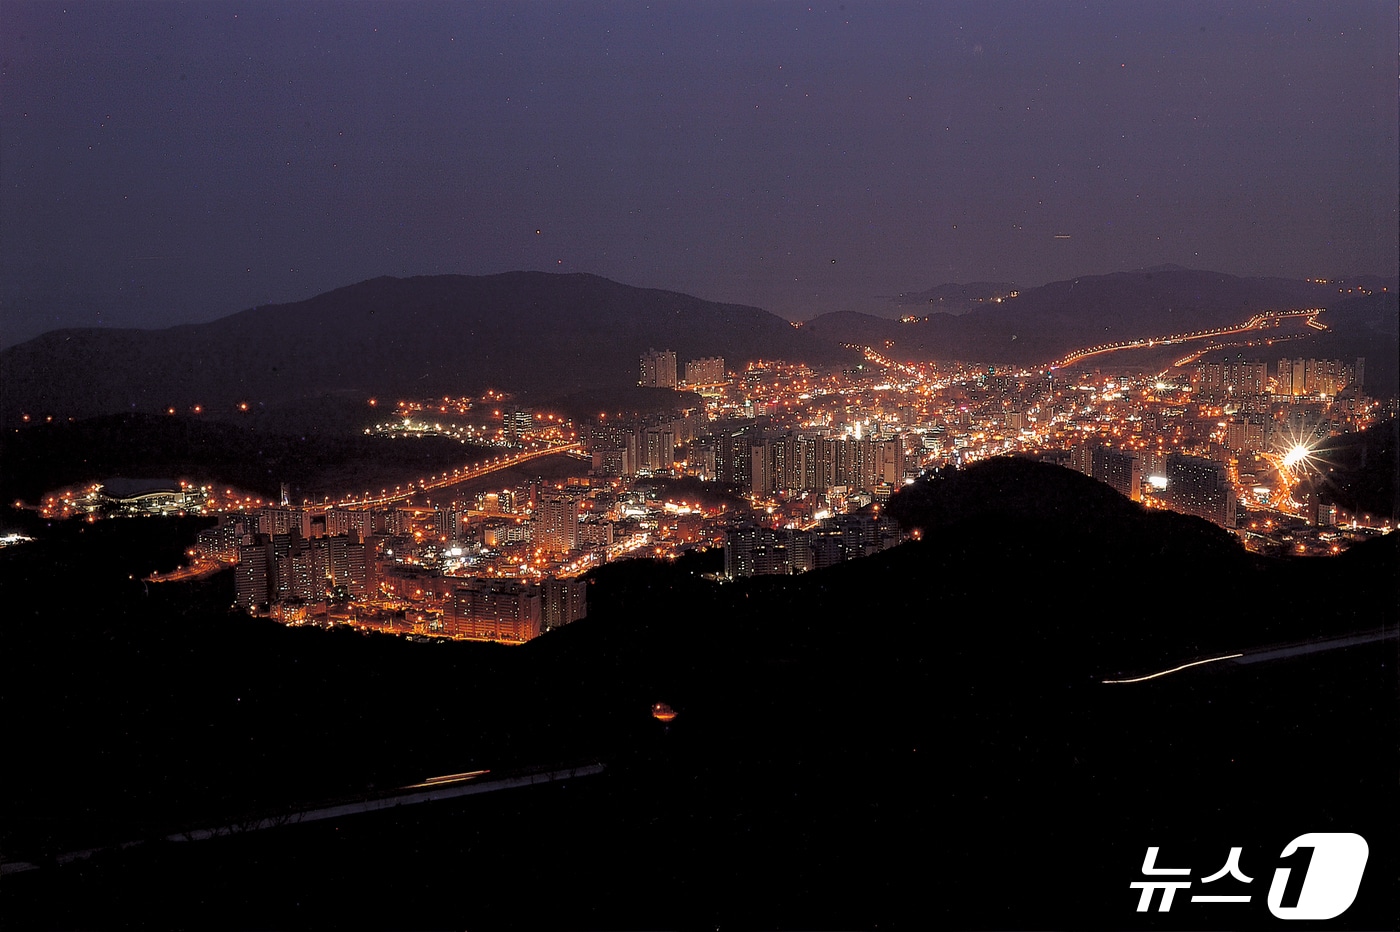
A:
(951, 298)
(1041, 324)
(948, 692)
(416, 337)
(1043, 499)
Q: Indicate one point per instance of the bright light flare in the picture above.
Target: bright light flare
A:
(1296, 456)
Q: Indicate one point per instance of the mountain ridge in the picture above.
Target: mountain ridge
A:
(1041, 324)
(539, 332)
(551, 335)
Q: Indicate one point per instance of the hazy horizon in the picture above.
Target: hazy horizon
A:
(176, 163)
(879, 305)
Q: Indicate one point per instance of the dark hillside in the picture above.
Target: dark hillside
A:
(416, 337)
(845, 738)
(1041, 324)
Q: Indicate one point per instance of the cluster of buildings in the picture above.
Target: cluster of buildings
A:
(1228, 440)
(1318, 377)
(813, 455)
(126, 497)
(756, 550)
(1193, 485)
(423, 571)
(799, 462)
(657, 369)
(1234, 436)
(753, 453)
(1243, 377)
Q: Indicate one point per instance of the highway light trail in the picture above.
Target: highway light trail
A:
(1233, 344)
(1265, 319)
(449, 479)
(447, 779)
(1280, 651)
(435, 789)
(1184, 666)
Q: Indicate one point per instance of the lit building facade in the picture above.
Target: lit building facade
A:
(563, 601)
(658, 369)
(494, 609)
(1200, 487)
(557, 524)
(706, 371)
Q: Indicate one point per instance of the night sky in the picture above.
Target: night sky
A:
(175, 162)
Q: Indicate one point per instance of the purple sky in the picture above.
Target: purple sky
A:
(174, 162)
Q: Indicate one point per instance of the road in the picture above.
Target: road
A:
(1261, 321)
(431, 790)
(1274, 652)
(454, 477)
(1313, 647)
(195, 570)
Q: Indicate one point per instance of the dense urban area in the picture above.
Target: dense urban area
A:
(784, 466)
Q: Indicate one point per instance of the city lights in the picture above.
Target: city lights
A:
(1296, 457)
(1221, 442)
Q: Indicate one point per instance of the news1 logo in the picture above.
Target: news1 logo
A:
(1318, 877)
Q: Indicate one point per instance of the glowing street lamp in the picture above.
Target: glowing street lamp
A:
(1296, 456)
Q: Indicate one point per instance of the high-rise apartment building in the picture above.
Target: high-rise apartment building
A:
(343, 521)
(1200, 487)
(1118, 468)
(284, 521)
(658, 448)
(517, 422)
(658, 369)
(288, 567)
(252, 577)
(759, 551)
(556, 520)
(563, 601)
(495, 609)
(706, 371)
(1121, 470)
(803, 461)
(1248, 432)
(1235, 377)
(1317, 376)
(221, 541)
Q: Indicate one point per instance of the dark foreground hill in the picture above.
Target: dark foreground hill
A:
(918, 739)
(417, 337)
(1041, 324)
